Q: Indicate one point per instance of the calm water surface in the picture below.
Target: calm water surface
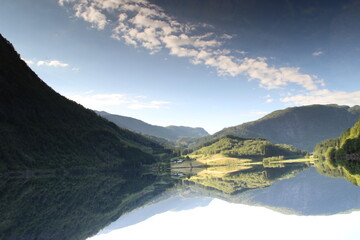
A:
(283, 201)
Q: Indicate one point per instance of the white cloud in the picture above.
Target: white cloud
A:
(140, 23)
(324, 96)
(269, 100)
(242, 52)
(62, 2)
(101, 101)
(52, 63)
(317, 53)
(226, 36)
(92, 15)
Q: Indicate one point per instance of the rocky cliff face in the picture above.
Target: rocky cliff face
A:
(302, 127)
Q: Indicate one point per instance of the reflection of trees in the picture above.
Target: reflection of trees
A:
(70, 207)
(351, 170)
(232, 181)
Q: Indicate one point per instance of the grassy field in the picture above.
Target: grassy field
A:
(219, 159)
(296, 160)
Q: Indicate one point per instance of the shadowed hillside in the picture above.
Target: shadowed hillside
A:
(40, 129)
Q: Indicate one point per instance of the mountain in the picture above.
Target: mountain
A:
(40, 129)
(171, 132)
(302, 127)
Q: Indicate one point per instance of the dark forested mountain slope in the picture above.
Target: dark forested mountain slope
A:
(170, 132)
(302, 127)
(40, 129)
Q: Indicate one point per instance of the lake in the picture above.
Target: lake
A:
(288, 200)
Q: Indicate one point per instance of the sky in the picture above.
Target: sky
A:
(211, 64)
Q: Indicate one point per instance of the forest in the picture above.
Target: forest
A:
(343, 151)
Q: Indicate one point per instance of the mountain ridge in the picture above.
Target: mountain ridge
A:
(171, 132)
(302, 127)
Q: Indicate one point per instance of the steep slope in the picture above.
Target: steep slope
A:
(40, 129)
(171, 132)
(302, 127)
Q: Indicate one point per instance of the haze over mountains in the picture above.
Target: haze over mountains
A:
(170, 132)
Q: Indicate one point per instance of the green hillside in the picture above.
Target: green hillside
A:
(40, 129)
(302, 127)
(344, 150)
(237, 147)
(173, 133)
(345, 146)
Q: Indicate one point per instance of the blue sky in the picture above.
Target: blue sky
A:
(210, 64)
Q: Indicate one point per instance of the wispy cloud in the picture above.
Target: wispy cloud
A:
(49, 63)
(92, 100)
(52, 63)
(324, 96)
(317, 53)
(142, 24)
(268, 98)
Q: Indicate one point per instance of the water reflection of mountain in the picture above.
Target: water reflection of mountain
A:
(293, 189)
(71, 207)
(309, 193)
(77, 207)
